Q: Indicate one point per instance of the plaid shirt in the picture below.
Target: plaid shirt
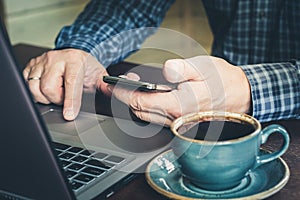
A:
(259, 36)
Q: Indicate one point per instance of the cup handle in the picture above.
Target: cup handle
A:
(265, 133)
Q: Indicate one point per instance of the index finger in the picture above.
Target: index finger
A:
(73, 83)
(163, 103)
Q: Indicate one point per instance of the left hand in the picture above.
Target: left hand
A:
(61, 76)
(205, 83)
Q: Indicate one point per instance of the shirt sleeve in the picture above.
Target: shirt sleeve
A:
(275, 90)
(112, 29)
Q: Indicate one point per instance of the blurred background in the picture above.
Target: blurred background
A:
(37, 22)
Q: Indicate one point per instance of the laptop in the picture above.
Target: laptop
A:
(45, 157)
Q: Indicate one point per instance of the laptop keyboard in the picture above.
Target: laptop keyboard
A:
(83, 166)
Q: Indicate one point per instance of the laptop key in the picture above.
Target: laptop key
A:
(97, 163)
(115, 159)
(75, 166)
(84, 178)
(87, 152)
(75, 149)
(93, 171)
(58, 151)
(70, 174)
(75, 185)
(65, 163)
(79, 159)
(66, 156)
(82, 165)
(60, 146)
(100, 155)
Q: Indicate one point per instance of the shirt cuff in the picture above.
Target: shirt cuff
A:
(275, 90)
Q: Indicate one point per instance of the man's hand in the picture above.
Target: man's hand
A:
(60, 76)
(205, 83)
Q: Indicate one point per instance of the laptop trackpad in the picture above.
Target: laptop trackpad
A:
(56, 123)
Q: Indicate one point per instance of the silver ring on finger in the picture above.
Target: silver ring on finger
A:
(34, 78)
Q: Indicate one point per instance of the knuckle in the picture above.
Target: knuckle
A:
(89, 85)
(52, 95)
(47, 90)
(50, 54)
(25, 73)
(71, 79)
(32, 62)
(139, 114)
(175, 113)
(142, 115)
(136, 103)
(38, 97)
(74, 55)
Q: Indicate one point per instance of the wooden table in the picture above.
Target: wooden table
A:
(138, 188)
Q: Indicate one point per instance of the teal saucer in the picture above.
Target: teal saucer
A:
(163, 175)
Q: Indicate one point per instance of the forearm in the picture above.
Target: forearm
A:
(275, 90)
(97, 29)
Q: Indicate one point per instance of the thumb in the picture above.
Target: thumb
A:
(180, 70)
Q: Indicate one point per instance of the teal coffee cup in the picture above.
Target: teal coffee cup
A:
(216, 150)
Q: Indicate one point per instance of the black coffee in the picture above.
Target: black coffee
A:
(219, 130)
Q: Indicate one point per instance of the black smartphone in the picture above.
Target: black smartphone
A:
(136, 85)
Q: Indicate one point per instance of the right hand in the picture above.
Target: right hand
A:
(64, 74)
(205, 83)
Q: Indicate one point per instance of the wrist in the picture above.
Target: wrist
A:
(245, 93)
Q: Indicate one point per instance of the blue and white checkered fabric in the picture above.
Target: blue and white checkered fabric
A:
(262, 37)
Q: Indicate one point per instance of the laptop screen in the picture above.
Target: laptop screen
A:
(29, 168)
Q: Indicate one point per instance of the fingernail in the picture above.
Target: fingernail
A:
(174, 70)
(69, 114)
(123, 76)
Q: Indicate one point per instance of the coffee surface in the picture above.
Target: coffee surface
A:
(219, 130)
